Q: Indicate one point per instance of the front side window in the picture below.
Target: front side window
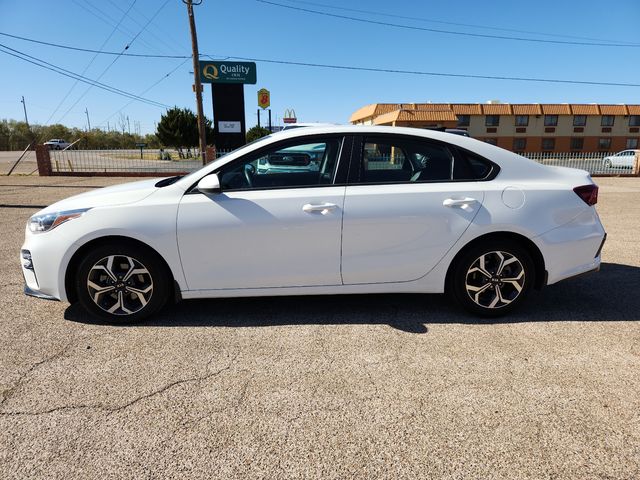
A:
(308, 164)
(607, 120)
(579, 120)
(522, 120)
(550, 120)
(492, 120)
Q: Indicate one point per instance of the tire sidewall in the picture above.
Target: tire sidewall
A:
(466, 259)
(149, 259)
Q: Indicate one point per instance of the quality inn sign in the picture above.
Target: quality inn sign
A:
(228, 72)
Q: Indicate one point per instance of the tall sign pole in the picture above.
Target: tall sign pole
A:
(24, 106)
(196, 76)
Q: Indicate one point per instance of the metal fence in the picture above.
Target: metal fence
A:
(146, 161)
(593, 162)
(171, 161)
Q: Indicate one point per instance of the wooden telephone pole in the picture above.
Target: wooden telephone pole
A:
(196, 77)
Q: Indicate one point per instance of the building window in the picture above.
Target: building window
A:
(577, 143)
(632, 143)
(463, 120)
(548, 143)
(491, 141)
(550, 120)
(634, 120)
(492, 120)
(579, 120)
(604, 143)
(522, 120)
(519, 144)
(607, 120)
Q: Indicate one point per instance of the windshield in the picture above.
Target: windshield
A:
(193, 175)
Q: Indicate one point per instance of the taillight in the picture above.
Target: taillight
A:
(588, 193)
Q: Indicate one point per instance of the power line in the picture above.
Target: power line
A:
(146, 90)
(471, 25)
(448, 32)
(89, 50)
(106, 18)
(349, 67)
(435, 74)
(95, 55)
(115, 59)
(70, 74)
(159, 38)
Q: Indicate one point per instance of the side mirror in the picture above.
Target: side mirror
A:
(210, 184)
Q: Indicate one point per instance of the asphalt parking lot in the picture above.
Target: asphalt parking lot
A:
(387, 386)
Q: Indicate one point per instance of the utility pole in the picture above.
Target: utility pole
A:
(24, 106)
(196, 77)
(86, 110)
(128, 125)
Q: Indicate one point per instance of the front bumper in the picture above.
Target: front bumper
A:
(34, 293)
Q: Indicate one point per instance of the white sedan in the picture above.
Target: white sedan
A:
(57, 144)
(388, 210)
(623, 159)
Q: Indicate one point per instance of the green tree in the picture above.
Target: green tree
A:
(178, 128)
(256, 132)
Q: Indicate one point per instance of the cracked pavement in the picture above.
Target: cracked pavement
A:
(386, 386)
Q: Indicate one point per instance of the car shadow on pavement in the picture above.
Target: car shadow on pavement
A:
(610, 295)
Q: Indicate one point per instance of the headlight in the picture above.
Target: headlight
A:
(49, 221)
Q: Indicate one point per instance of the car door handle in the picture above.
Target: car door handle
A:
(459, 202)
(323, 208)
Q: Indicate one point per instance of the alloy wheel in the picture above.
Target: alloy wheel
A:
(120, 285)
(495, 279)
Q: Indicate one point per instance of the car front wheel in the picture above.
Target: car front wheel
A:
(493, 278)
(122, 283)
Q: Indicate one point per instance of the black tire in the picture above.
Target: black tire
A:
(138, 281)
(502, 291)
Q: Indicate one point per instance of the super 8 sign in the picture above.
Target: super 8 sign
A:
(264, 98)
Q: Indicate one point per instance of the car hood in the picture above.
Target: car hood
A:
(107, 196)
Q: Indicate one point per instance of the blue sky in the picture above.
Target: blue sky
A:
(249, 28)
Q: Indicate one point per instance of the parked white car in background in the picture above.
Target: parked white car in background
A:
(57, 144)
(388, 210)
(624, 159)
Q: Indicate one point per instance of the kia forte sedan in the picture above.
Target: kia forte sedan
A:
(387, 210)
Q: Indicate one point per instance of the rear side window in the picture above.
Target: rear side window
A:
(396, 160)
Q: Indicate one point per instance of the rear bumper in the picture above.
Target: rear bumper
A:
(573, 249)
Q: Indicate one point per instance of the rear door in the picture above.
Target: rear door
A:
(407, 202)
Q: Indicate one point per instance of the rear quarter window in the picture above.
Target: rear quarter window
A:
(470, 166)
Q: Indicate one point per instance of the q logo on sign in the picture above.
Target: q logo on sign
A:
(210, 72)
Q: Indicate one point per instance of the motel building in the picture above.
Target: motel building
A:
(522, 128)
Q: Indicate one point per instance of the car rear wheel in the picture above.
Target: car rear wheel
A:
(491, 279)
(122, 283)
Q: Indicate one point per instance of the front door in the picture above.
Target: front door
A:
(276, 223)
